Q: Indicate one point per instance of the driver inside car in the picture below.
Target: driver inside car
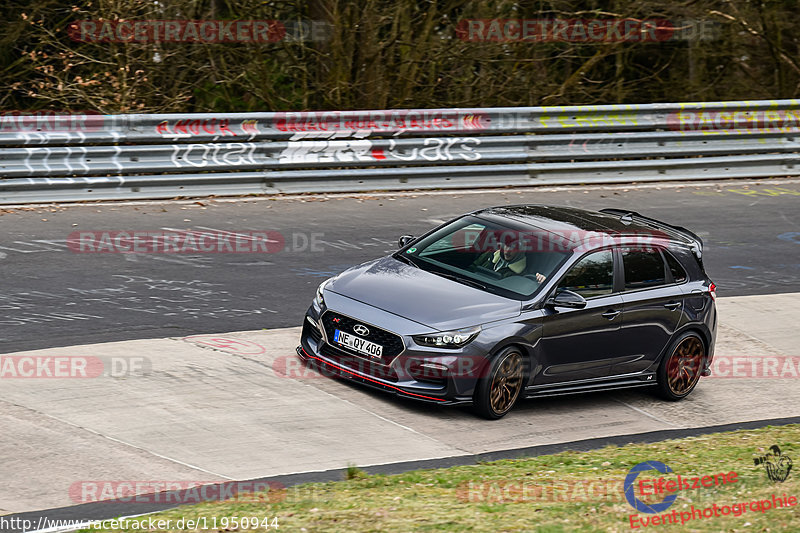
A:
(507, 260)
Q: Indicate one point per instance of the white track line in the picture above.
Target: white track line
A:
(119, 441)
(645, 413)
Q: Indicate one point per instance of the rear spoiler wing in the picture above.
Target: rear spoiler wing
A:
(696, 243)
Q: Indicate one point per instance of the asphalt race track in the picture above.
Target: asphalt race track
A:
(216, 410)
(61, 298)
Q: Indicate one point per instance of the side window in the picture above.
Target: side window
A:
(643, 268)
(591, 276)
(678, 273)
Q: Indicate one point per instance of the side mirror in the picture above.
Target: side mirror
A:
(568, 299)
(404, 240)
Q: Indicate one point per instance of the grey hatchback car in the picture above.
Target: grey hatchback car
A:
(518, 302)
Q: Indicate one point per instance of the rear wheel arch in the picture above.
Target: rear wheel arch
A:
(694, 328)
(688, 365)
(689, 328)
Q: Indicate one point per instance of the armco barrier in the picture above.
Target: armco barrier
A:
(67, 157)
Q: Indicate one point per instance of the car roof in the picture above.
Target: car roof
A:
(564, 220)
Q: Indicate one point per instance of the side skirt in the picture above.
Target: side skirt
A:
(577, 388)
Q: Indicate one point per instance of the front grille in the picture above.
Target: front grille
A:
(392, 343)
(357, 363)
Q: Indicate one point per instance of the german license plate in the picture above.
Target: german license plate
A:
(358, 344)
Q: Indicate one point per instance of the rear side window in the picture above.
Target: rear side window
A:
(678, 273)
(591, 276)
(643, 268)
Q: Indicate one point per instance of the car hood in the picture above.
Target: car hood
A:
(421, 296)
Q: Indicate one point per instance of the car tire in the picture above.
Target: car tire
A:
(680, 370)
(498, 390)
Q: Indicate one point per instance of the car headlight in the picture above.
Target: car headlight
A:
(319, 298)
(448, 339)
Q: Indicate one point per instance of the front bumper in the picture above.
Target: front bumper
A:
(409, 375)
(333, 369)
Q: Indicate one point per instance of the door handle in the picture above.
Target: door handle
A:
(672, 305)
(611, 314)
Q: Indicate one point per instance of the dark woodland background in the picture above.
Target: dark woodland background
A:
(391, 54)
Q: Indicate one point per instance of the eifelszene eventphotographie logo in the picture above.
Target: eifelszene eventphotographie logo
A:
(653, 496)
(630, 485)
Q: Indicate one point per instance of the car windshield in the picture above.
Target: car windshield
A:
(510, 261)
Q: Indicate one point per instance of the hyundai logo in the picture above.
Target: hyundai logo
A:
(361, 329)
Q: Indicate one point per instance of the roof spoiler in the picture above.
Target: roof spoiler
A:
(696, 243)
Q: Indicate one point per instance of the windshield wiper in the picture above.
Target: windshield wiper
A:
(407, 260)
(461, 279)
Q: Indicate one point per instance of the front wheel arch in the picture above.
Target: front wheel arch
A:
(527, 350)
(505, 371)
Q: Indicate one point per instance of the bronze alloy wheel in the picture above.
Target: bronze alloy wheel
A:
(685, 365)
(506, 383)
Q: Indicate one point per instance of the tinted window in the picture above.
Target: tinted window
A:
(643, 268)
(505, 260)
(591, 276)
(678, 273)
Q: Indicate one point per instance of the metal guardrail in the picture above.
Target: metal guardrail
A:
(83, 157)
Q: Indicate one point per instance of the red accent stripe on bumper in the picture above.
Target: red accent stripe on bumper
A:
(368, 379)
